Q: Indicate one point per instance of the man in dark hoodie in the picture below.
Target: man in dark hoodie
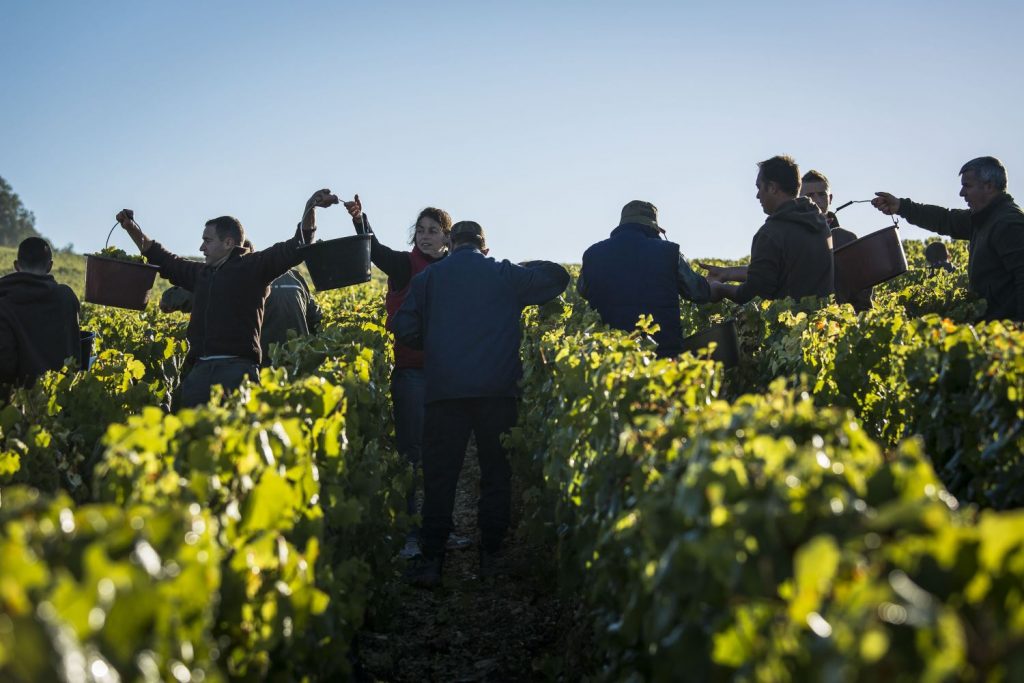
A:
(790, 255)
(994, 225)
(464, 313)
(229, 292)
(637, 272)
(289, 306)
(38, 317)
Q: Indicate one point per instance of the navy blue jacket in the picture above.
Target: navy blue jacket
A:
(632, 273)
(464, 312)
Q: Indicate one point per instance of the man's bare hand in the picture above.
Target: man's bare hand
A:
(322, 199)
(126, 217)
(886, 203)
(354, 208)
(715, 273)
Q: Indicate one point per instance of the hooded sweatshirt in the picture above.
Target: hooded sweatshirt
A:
(38, 326)
(790, 255)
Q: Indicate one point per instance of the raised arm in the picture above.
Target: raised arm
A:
(394, 264)
(278, 259)
(181, 272)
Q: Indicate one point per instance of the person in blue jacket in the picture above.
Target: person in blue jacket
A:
(635, 272)
(464, 312)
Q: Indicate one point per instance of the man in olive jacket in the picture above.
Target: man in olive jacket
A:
(229, 292)
(994, 225)
(790, 255)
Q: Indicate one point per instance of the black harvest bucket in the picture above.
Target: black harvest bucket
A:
(727, 350)
(87, 340)
(339, 262)
(870, 260)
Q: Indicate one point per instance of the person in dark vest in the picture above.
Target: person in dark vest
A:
(637, 272)
(992, 223)
(229, 292)
(464, 312)
(429, 240)
(937, 256)
(39, 326)
(790, 255)
(290, 307)
(816, 187)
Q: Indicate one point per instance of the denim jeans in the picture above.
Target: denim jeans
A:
(228, 372)
(444, 450)
(408, 389)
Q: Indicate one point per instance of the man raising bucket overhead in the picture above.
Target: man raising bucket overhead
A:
(229, 292)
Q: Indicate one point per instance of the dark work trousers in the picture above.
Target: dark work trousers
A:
(229, 373)
(408, 394)
(445, 438)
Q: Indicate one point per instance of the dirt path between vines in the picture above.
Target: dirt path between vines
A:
(512, 628)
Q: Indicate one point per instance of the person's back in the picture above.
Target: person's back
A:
(39, 326)
(289, 306)
(629, 275)
(472, 308)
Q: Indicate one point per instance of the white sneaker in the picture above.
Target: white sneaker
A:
(411, 549)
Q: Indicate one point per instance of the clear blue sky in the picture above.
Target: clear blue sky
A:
(538, 120)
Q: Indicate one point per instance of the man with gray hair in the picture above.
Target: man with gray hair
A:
(994, 225)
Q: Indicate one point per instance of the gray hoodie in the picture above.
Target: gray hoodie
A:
(790, 255)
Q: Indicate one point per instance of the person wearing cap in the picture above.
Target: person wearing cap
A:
(637, 272)
(229, 292)
(39, 326)
(790, 255)
(992, 223)
(937, 256)
(816, 187)
(464, 312)
(429, 238)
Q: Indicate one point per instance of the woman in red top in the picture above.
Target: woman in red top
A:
(429, 240)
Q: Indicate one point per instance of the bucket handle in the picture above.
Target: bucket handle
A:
(894, 217)
(302, 235)
(111, 233)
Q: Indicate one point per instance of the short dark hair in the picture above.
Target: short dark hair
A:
(936, 252)
(34, 252)
(228, 226)
(987, 170)
(813, 176)
(435, 214)
(782, 171)
(475, 240)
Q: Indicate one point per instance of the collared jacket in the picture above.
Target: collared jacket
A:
(995, 268)
(228, 299)
(464, 312)
(790, 255)
(38, 326)
(634, 272)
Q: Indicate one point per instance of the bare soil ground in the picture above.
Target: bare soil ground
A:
(511, 628)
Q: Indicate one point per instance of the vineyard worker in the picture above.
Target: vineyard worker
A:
(430, 243)
(994, 225)
(937, 257)
(229, 292)
(816, 187)
(790, 255)
(464, 312)
(38, 317)
(290, 306)
(637, 272)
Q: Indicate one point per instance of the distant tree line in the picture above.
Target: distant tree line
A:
(16, 222)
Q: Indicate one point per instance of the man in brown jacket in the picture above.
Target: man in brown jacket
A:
(790, 255)
(229, 292)
(994, 225)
